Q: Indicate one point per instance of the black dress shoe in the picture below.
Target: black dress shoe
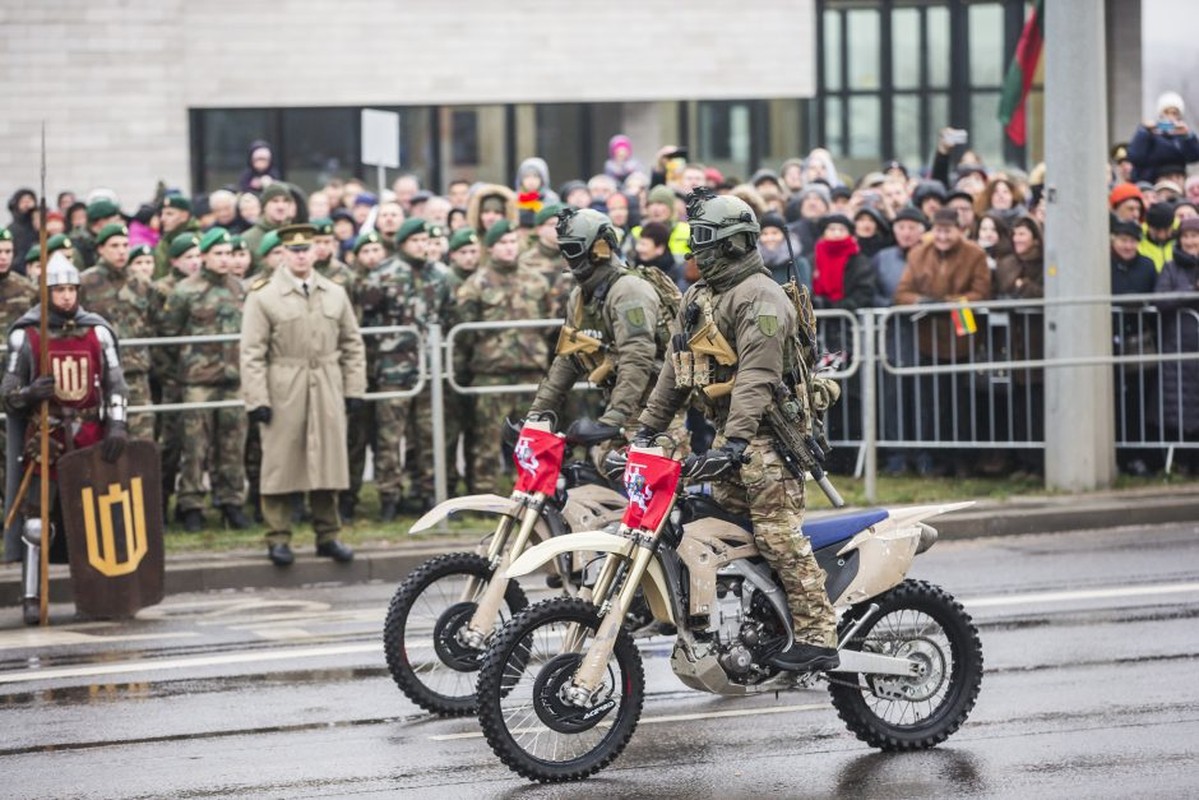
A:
(235, 518)
(388, 511)
(281, 554)
(335, 550)
(807, 658)
(193, 520)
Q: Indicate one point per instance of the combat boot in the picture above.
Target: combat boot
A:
(193, 520)
(389, 509)
(346, 503)
(235, 518)
(801, 657)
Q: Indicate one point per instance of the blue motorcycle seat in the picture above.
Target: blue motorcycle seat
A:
(838, 528)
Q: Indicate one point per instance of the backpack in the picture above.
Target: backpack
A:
(670, 299)
(816, 395)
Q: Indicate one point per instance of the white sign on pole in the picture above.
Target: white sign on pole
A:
(381, 138)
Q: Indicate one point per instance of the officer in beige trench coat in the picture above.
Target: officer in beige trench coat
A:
(303, 365)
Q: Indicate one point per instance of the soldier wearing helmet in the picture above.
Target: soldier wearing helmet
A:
(615, 329)
(87, 395)
(732, 344)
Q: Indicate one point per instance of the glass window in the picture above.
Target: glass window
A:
(834, 135)
(986, 131)
(416, 147)
(559, 132)
(937, 20)
(832, 50)
(910, 148)
(464, 137)
(938, 113)
(865, 126)
(473, 144)
(226, 141)
(319, 144)
(986, 44)
(864, 48)
(724, 135)
(905, 48)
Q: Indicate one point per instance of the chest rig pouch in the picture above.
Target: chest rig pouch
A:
(586, 346)
(703, 359)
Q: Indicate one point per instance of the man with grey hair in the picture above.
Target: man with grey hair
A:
(601, 187)
(223, 205)
(436, 211)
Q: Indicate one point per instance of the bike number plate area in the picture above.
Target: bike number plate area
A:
(650, 482)
(538, 457)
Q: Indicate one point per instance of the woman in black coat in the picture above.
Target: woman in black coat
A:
(1178, 412)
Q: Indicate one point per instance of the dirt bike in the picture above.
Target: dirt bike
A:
(447, 609)
(561, 688)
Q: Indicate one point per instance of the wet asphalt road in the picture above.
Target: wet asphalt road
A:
(1090, 641)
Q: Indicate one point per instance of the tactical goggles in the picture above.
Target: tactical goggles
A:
(703, 236)
(572, 249)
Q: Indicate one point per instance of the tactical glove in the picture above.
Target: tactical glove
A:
(613, 466)
(114, 441)
(353, 405)
(41, 389)
(510, 431)
(589, 431)
(645, 436)
(716, 464)
(261, 414)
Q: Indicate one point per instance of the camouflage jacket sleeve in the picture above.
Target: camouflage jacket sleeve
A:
(469, 310)
(353, 353)
(631, 312)
(761, 317)
(666, 398)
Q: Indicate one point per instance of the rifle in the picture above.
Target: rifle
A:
(801, 452)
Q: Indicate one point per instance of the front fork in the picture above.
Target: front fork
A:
(500, 558)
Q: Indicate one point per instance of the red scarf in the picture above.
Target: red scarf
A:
(828, 274)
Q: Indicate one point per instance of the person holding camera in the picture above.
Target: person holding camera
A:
(1163, 146)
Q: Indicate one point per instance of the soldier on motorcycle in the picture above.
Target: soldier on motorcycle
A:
(732, 345)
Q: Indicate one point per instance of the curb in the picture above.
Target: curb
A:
(239, 571)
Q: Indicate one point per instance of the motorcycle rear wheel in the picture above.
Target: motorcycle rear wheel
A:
(525, 719)
(424, 657)
(923, 622)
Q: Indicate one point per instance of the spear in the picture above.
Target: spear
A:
(44, 369)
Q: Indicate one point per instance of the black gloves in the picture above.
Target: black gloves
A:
(589, 431)
(613, 466)
(261, 414)
(645, 436)
(718, 463)
(114, 441)
(41, 389)
(353, 406)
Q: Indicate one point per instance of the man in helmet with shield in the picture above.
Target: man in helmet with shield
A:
(87, 395)
(615, 330)
(734, 341)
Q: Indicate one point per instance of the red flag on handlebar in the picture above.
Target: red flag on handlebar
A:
(650, 482)
(538, 458)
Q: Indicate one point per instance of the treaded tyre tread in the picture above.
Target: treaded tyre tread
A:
(966, 677)
(567, 609)
(397, 616)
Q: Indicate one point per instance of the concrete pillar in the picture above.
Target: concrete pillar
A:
(1079, 423)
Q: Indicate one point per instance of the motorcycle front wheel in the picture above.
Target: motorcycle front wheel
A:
(921, 622)
(527, 717)
(420, 638)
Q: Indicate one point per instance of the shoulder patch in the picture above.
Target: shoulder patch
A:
(768, 318)
(258, 284)
(635, 316)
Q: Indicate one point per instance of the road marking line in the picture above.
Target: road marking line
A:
(158, 665)
(1082, 594)
(740, 712)
(37, 638)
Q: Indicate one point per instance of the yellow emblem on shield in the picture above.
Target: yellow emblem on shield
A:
(102, 551)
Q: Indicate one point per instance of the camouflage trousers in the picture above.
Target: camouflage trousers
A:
(418, 443)
(490, 410)
(360, 428)
(774, 501)
(169, 434)
(459, 423)
(391, 423)
(214, 442)
(141, 425)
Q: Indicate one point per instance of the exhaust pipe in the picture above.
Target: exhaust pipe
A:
(928, 537)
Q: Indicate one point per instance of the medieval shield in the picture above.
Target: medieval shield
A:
(113, 519)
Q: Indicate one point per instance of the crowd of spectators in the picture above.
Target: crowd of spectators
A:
(957, 230)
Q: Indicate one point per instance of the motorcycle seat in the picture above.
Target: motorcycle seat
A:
(699, 506)
(832, 530)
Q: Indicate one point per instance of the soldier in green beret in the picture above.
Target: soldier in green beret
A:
(501, 289)
(17, 295)
(243, 259)
(278, 210)
(127, 302)
(542, 254)
(210, 302)
(463, 254)
(324, 250)
(101, 212)
(60, 241)
(141, 261)
(270, 256)
(176, 219)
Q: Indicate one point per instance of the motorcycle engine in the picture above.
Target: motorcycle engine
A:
(744, 622)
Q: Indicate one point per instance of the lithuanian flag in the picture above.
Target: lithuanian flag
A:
(1019, 78)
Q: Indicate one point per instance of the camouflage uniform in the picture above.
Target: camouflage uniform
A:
(17, 295)
(501, 291)
(127, 303)
(550, 263)
(338, 272)
(393, 364)
(209, 303)
(758, 322)
(162, 250)
(435, 304)
(165, 389)
(459, 408)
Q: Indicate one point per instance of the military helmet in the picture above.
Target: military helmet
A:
(61, 272)
(579, 230)
(714, 218)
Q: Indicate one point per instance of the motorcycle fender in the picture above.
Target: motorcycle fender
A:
(476, 503)
(653, 584)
